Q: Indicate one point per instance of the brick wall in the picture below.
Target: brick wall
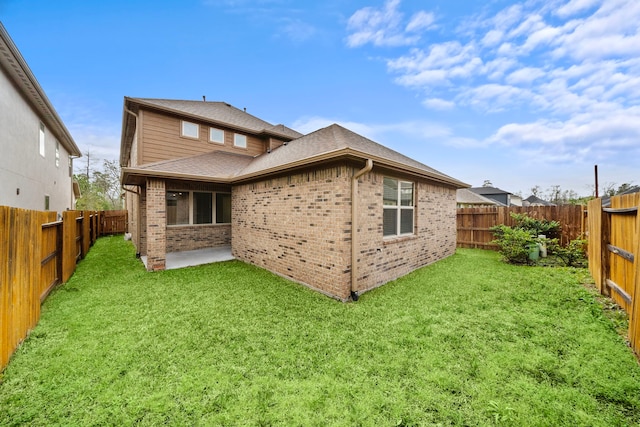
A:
(384, 259)
(156, 215)
(298, 226)
(186, 238)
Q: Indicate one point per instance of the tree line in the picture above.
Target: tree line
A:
(100, 188)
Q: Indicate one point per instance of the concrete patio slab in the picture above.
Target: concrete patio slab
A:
(196, 257)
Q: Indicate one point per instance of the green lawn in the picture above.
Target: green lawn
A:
(466, 341)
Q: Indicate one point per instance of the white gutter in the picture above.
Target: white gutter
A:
(354, 227)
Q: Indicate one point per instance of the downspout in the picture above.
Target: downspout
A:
(354, 227)
(138, 210)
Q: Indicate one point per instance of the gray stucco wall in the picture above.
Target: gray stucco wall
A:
(21, 165)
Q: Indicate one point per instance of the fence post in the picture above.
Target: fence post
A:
(5, 349)
(86, 232)
(68, 244)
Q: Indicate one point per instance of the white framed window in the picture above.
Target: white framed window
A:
(46, 202)
(198, 207)
(57, 154)
(216, 135)
(190, 130)
(41, 139)
(398, 207)
(240, 140)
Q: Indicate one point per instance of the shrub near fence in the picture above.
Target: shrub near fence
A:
(474, 224)
(37, 252)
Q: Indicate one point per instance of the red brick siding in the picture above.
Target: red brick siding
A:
(384, 259)
(297, 226)
(186, 238)
(156, 224)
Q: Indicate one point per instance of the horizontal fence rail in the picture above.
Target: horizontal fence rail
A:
(37, 253)
(474, 224)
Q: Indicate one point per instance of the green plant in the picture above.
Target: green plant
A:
(514, 243)
(573, 255)
(535, 226)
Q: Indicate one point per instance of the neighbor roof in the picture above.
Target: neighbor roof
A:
(488, 190)
(18, 71)
(464, 196)
(534, 200)
(326, 144)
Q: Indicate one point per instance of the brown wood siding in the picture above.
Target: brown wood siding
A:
(161, 139)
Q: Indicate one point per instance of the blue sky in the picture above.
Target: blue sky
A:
(521, 93)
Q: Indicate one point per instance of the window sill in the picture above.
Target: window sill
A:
(197, 225)
(390, 240)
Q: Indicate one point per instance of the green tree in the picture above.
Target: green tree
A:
(100, 189)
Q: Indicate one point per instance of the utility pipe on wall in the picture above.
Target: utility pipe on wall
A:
(354, 227)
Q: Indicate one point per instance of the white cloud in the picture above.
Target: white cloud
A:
(296, 30)
(383, 26)
(492, 38)
(438, 104)
(421, 21)
(524, 75)
(574, 7)
(389, 134)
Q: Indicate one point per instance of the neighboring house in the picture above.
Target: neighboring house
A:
(516, 200)
(536, 201)
(36, 165)
(468, 199)
(497, 195)
(332, 210)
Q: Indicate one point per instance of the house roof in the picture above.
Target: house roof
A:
(326, 144)
(16, 68)
(467, 197)
(488, 190)
(216, 166)
(534, 200)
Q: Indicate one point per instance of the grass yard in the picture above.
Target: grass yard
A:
(466, 341)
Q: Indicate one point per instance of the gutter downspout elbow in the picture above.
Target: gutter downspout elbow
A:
(354, 227)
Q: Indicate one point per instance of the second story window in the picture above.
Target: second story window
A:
(190, 130)
(216, 135)
(240, 140)
(41, 139)
(57, 154)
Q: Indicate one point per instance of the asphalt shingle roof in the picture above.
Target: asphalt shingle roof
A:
(324, 144)
(463, 195)
(219, 112)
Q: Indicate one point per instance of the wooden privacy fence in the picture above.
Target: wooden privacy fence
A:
(474, 224)
(38, 252)
(113, 222)
(614, 255)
